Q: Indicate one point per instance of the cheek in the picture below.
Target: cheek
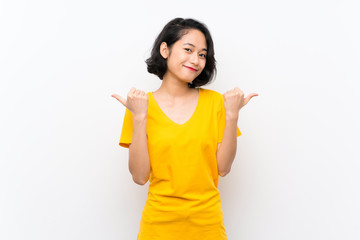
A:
(183, 54)
(203, 64)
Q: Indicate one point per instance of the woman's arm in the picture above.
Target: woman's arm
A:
(226, 150)
(139, 163)
(234, 100)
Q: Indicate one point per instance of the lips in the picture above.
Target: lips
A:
(192, 69)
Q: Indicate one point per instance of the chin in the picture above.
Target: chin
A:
(188, 80)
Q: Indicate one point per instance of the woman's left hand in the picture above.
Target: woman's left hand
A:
(234, 100)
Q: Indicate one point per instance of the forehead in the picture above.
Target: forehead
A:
(194, 37)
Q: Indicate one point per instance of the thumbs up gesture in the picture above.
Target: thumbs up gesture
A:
(136, 102)
(234, 100)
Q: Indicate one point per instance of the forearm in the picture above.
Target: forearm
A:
(139, 163)
(227, 151)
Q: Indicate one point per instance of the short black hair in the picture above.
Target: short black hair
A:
(171, 33)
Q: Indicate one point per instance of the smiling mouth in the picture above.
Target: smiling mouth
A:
(192, 69)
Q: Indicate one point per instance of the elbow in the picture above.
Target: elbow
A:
(224, 173)
(139, 181)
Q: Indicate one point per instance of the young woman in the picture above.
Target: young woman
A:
(181, 137)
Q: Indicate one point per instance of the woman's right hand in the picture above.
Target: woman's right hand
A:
(136, 102)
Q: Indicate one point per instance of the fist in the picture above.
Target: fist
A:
(234, 100)
(136, 102)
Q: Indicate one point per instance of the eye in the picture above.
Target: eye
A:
(188, 49)
(203, 55)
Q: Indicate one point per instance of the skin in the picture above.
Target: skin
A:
(186, 58)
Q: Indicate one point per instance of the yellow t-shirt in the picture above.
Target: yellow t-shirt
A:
(183, 201)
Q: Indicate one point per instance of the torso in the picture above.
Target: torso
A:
(184, 175)
(179, 111)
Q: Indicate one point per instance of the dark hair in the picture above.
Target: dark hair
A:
(171, 33)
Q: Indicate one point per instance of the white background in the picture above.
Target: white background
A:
(63, 174)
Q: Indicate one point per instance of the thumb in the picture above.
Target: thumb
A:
(120, 99)
(247, 99)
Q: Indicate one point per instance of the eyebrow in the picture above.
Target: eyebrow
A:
(204, 49)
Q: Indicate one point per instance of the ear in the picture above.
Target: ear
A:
(164, 50)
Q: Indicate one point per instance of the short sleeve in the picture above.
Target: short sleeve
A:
(222, 120)
(127, 128)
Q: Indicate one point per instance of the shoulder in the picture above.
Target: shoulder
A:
(212, 94)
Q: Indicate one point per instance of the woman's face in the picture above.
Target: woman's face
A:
(187, 56)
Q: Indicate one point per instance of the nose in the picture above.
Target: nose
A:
(194, 59)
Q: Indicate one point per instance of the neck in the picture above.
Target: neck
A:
(174, 88)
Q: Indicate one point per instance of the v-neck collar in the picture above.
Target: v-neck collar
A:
(169, 119)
